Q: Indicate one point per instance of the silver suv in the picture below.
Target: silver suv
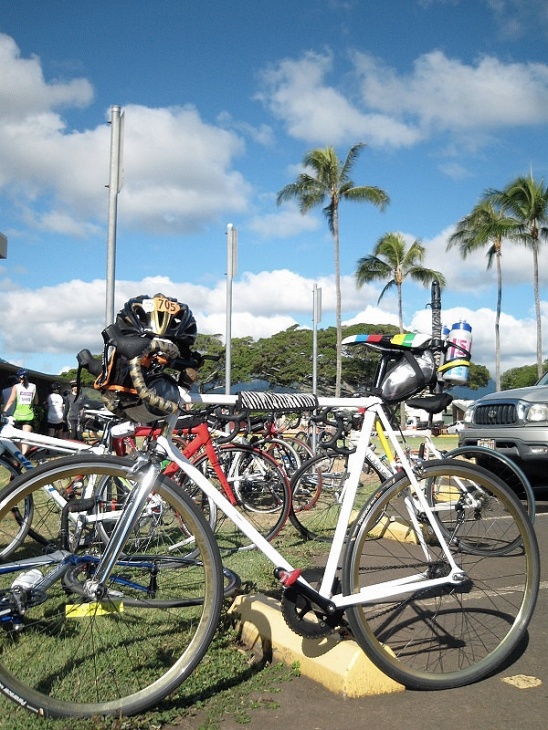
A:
(515, 423)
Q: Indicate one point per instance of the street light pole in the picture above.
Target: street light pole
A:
(115, 184)
(232, 250)
(316, 317)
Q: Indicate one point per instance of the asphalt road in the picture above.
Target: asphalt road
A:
(515, 698)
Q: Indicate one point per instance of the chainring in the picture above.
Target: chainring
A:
(304, 617)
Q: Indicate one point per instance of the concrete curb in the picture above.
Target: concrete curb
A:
(340, 666)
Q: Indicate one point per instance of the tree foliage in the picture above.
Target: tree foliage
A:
(526, 200)
(284, 361)
(393, 261)
(326, 181)
(486, 226)
(521, 377)
(478, 376)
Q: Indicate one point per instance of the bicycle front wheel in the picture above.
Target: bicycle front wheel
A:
(454, 634)
(258, 487)
(64, 654)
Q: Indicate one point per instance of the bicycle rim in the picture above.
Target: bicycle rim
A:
(502, 467)
(449, 636)
(261, 490)
(22, 517)
(70, 656)
(317, 490)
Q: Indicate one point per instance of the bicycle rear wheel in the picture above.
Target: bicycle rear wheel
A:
(451, 635)
(22, 517)
(67, 655)
(504, 468)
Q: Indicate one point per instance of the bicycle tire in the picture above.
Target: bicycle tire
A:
(282, 452)
(502, 467)
(8, 472)
(441, 637)
(316, 493)
(137, 652)
(303, 449)
(261, 490)
(454, 503)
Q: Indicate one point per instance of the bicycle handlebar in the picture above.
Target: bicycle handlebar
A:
(151, 347)
(340, 424)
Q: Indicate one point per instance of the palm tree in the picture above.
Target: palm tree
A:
(393, 261)
(526, 200)
(486, 225)
(326, 180)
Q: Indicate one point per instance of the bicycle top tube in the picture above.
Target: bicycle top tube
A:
(10, 432)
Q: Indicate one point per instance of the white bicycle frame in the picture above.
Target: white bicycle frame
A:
(372, 594)
(9, 435)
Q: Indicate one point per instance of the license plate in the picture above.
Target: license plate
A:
(487, 443)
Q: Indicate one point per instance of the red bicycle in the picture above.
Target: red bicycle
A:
(251, 479)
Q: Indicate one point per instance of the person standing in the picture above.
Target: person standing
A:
(55, 412)
(73, 407)
(25, 397)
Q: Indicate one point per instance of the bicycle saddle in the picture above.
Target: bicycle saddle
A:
(391, 343)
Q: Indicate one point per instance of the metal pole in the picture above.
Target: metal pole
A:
(115, 183)
(316, 317)
(231, 248)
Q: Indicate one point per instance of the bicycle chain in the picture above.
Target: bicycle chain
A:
(302, 616)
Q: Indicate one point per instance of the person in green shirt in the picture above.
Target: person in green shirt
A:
(25, 397)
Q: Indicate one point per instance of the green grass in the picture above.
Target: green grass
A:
(229, 681)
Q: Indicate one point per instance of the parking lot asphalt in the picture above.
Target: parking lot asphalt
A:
(514, 698)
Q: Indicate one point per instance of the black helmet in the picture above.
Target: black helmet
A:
(159, 315)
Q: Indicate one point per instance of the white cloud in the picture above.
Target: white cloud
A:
(246, 324)
(179, 169)
(58, 321)
(517, 18)
(444, 94)
(34, 98)
(296, 92)
(439, 95)
(373, 315)
(470, 277)
(178, 172)
(285, 223)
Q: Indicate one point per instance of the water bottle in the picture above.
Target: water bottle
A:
(26, 581)
(459, 347)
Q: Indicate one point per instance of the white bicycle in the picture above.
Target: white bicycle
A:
(120, 633)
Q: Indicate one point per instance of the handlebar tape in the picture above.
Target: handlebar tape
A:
(171, 351)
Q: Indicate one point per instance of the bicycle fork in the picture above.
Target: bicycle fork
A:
(145, 473)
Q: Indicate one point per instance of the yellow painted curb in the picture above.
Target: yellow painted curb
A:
(340, 666)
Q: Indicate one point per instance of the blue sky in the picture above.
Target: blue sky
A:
(221, 101)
